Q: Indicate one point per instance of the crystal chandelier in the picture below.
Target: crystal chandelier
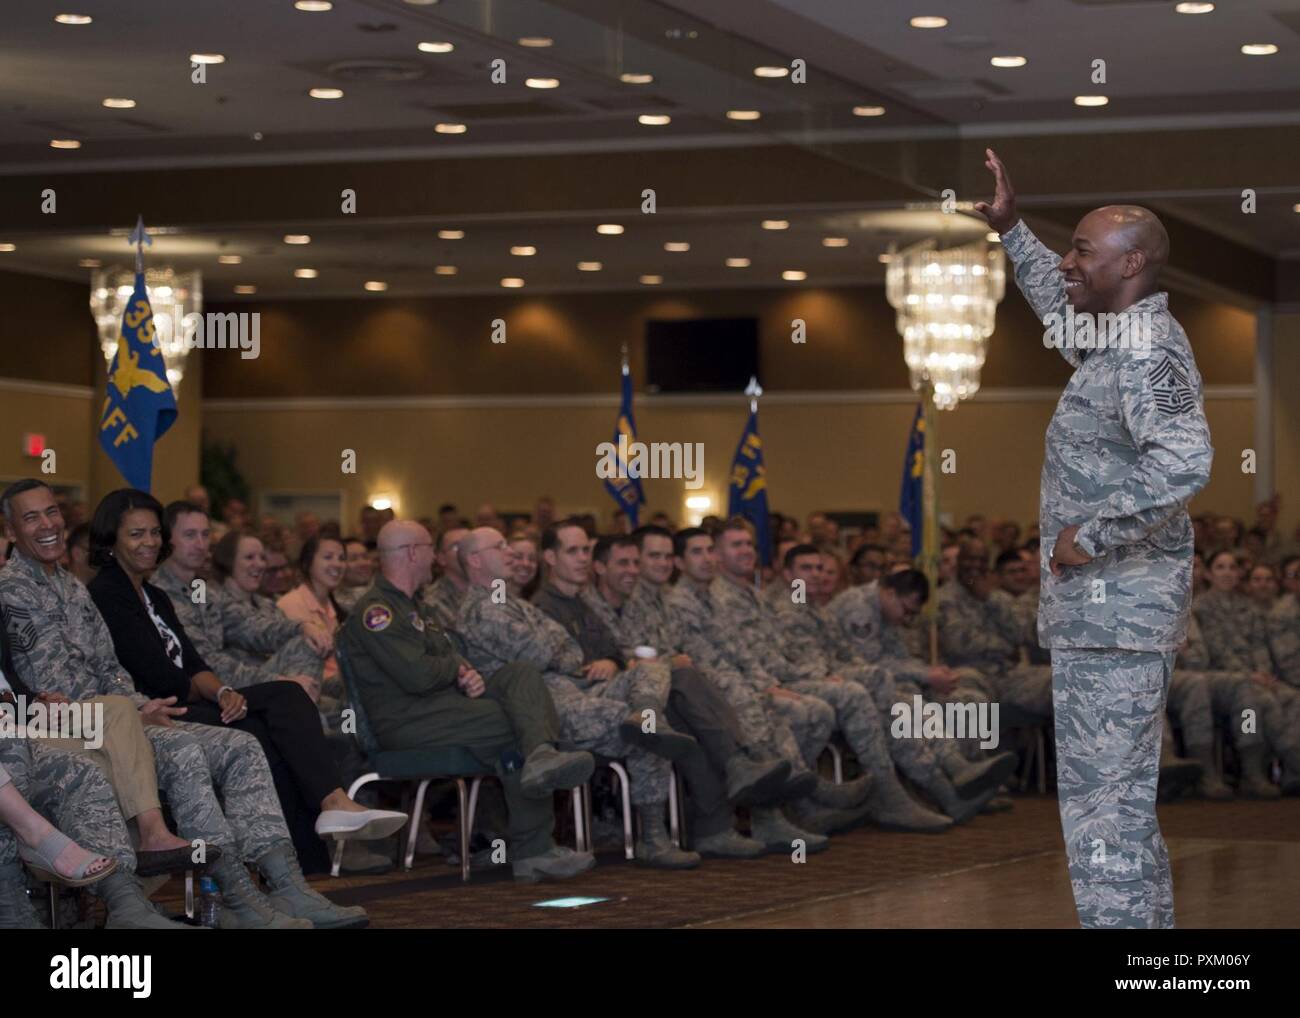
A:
(946, 302)
(172, 295)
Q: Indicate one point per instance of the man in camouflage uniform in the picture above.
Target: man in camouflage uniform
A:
(718, 774)
(1283, 627)
(443, 596)
(1126, 449)
(61, 645)
(742, 613)
(417, 692)
(605, 708)
(810, 634)
(72, 792)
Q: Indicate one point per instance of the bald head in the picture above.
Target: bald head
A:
(1115, 258)
(405, 554)
(483, 556)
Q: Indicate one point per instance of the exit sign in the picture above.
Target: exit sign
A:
(33, 445)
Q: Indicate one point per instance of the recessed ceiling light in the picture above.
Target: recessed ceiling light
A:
(73, 19)
(536, 41)
(8, 247)
(246, 288)
(743, 114)
(927, 21)
(609, 229)
(64, 143)
(444, 270)
(794, 275)
(435, 47)
(450, 128)
(654, 119)
(542, 82)
(313, 6)
(523, 250)
(90, 263)
(677, 245)
(421, 3)
(306, 273)
(229, 259)
(651, 280)
(1259, 49)
(868, 111)
(835, 242)
(776, 224)
(512, 282)
(1090, 100)
(451, 234)
(1193, 8)
(376, 285)
(207, 58)
(636, 79)
(1008, 61)
(767, 71)
(120, 104)
(589, 266)
(737, 263)
(326, 93)
(297, 238)
(882, 258)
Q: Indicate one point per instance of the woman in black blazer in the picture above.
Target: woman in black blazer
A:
(127, 541)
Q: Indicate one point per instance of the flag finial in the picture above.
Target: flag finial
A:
(624, 356)
(753, 390)
(140, 238)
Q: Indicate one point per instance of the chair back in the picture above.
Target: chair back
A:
(364, 736)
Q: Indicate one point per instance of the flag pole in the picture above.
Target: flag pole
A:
(930, 516)
(753, 390)
(139, 237)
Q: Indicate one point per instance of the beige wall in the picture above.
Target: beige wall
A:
(1286, 416)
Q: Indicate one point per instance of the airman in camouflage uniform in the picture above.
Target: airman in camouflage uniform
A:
(73, 794)
(443, 596)
(1284, 638)
(621, 716)
(1126, 449)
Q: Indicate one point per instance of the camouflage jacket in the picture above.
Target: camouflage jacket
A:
(204, 625)
(1284, 637)
(700, 633)
(254, 627)
(495, 634)
(751, 629)
(646, 621)
(1236, 632)
(807, 634)
(442, 599)
(612, 619)
(977, 634)
(59, 641)
(870, 638)
(1126, 449)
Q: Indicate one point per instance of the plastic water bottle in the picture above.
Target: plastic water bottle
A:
(209, 903)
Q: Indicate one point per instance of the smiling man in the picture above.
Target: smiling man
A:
(1126, 449)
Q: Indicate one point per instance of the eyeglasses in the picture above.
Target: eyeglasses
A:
(413, 544)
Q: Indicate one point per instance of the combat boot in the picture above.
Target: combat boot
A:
(1254, 773)
(129, 909)
(892, 809)
(664, 741)
(848, 795)
(1177, 775)
(656, 849)
(728, 844)
(755, 780)
(291, 894)
(243, 906)
(777, 834)
(1211, 785)
(958, 808)
(801, 785)
(972, 778)
(548, 770)
(557, 863)
(16, 910)
(807, 814)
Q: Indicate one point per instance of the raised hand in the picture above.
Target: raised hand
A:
(1001, 214)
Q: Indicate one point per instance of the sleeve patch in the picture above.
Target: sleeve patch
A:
(1173, 391)
(377, 618)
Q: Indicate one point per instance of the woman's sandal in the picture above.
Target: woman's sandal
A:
(41, 861)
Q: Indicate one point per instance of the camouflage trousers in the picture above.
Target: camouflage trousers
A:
(295, 657)
(1109, 714)
(590, 720)
(198, 763)
(857, 719)
(919, 759)
(70, 791)
(1198, 699)
(1279, 710)
(809, 721)
(765, 733)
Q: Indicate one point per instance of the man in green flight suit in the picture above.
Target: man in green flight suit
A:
(419, 693)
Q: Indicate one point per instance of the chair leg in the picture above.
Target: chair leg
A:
(625, 788)
(674, 830)
(54, 905)
(462, 816)
(579, 828)
(189, 893)
(336, 862)
(586, 812)
(837, 761)
(1042, 761)
(473, 800)
(414, 831)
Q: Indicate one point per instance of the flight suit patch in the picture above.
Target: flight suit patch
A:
(377, 618)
